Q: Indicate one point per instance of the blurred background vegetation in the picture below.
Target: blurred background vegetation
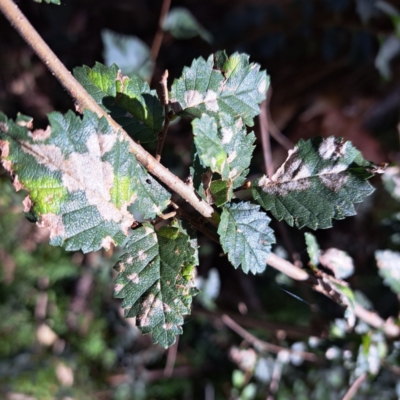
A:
(334, 67)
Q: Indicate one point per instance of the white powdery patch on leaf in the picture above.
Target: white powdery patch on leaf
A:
(332, 148)
(293, 175)
(54, 223)
(210, 101)
(193, 98)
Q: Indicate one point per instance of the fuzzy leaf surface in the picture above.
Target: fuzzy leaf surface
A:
(246, 236)
(389, 268)
(156, 280)
(128, 100)
(80, 178)
(221, 84)
(320, 180)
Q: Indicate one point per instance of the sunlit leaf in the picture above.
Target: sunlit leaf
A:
(246, 236)
(320, 180)
(128, 100)
(80, 178)
(233, 86)
(156, 280)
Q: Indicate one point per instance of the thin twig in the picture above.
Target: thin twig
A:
(266, 144)
(198, 225)
(85, 101)
(171, 358)
(261, 344)
(167, 119)
(155, 47)
(355, 386)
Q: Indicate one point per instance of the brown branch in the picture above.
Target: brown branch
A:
(167, 119)
(355, 386)
(261, 344)
(155, 47)
(171, 358)
(85, 101)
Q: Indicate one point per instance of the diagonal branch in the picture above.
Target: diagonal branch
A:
(85, 101)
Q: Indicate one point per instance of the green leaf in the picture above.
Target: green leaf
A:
(80, 177)
(226, 150)
(129, 101)
(389, 268)
(181, 23)
(235, 87)
(321, 179)
(130, 53)
(209, 147)
(312, 248)
(156, 280)
(221, 192)
(246, 236)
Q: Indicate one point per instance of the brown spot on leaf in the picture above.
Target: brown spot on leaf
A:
(4, 148)
(54, 223)
(27, 203)
(40, 134)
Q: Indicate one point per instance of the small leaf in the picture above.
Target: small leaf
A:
(221, 192)
(338, 261)
(312, 248)
(236, 88)
(81, 179)
(156, 280)
(181, 23)
(130, 53)
(128, 100)
(246, 236)
(320, 180)
(209, 148)
(389, 268)
(226, 150)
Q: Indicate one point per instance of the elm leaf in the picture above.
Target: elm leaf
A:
(156, 280)
(228, 85)
(129, 100)
(320, 180)
(80, 177)
(246, 236)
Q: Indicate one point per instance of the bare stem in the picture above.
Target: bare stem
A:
(167, 119)
(85, 101)
(155, 47)
(261, 344)
(266, 144)
(355, 386)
